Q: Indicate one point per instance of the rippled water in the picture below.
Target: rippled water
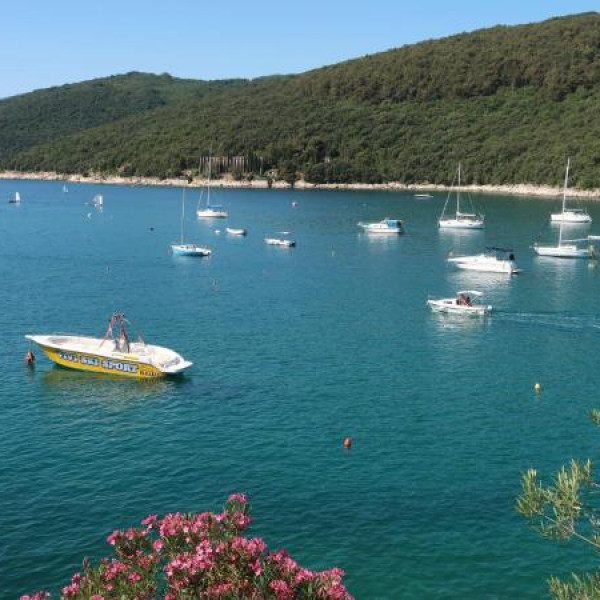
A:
(293, 350)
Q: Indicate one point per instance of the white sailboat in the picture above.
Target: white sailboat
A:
(210, 211)
(98, 201)
(16, 199)
(183, 249)
(461, 220)
(565, 248)
(575, 216)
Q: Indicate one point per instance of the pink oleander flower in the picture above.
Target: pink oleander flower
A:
(219, 589)
(304, 575)
(113, 537)
(241, 498)
(257, 567)
(150, 520)
(134, 577)
(96, 597)
(36, 596)
(157, 545)
(282, 589)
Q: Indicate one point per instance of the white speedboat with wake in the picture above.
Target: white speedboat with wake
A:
(464, 303)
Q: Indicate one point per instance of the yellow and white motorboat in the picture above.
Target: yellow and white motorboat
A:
(112, 354)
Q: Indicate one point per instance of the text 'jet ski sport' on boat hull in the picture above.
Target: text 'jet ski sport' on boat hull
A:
(114, 354)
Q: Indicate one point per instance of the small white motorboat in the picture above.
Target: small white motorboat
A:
(423, 196)
(464, 303)
(493, 260)
(387, 226)
(233, 231)
(285, 242)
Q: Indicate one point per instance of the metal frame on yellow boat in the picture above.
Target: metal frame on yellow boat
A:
(114, 355)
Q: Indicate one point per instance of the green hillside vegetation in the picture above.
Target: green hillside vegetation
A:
(509, 102)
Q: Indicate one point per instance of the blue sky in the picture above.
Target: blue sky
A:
(52, 42)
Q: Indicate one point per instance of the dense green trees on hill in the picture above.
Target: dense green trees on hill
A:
(510, 103)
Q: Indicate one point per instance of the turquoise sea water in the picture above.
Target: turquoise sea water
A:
(294, 350)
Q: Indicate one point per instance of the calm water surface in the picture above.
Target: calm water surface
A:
(293, 351)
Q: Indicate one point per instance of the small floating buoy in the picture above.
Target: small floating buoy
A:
(538, 388)
(30, 358)
(294, 204)
(151, 228)
(347, 443)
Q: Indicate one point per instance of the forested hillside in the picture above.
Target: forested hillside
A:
(509, 102)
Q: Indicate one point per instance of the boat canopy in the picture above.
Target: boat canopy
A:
(498, 249)
(470, 293)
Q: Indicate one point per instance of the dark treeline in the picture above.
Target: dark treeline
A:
(509, 102)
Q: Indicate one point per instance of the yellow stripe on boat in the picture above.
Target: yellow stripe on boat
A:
(126, 367)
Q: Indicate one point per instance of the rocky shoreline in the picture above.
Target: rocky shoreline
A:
(519, 189)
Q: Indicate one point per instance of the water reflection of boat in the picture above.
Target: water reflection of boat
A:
(114, 354)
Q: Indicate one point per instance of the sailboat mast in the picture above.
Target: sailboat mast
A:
(182, 212)
(458, 193)
(564, 200)
(209, 174)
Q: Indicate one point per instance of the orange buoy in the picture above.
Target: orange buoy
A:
(348, 443)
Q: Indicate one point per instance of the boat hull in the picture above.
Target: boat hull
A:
(580, 218)
(189, 250)
(484, 264)
(129, 365)
(211, 214)
(280, 242)
(563, 252)
(450, 306)
(460, 224)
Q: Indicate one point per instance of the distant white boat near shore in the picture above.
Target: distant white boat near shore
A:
(15, 199)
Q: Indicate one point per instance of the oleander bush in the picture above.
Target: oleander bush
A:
(197, 556)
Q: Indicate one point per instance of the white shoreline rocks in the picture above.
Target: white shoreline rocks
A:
(519, 189)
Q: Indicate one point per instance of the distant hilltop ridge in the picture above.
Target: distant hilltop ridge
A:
(509, 103)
